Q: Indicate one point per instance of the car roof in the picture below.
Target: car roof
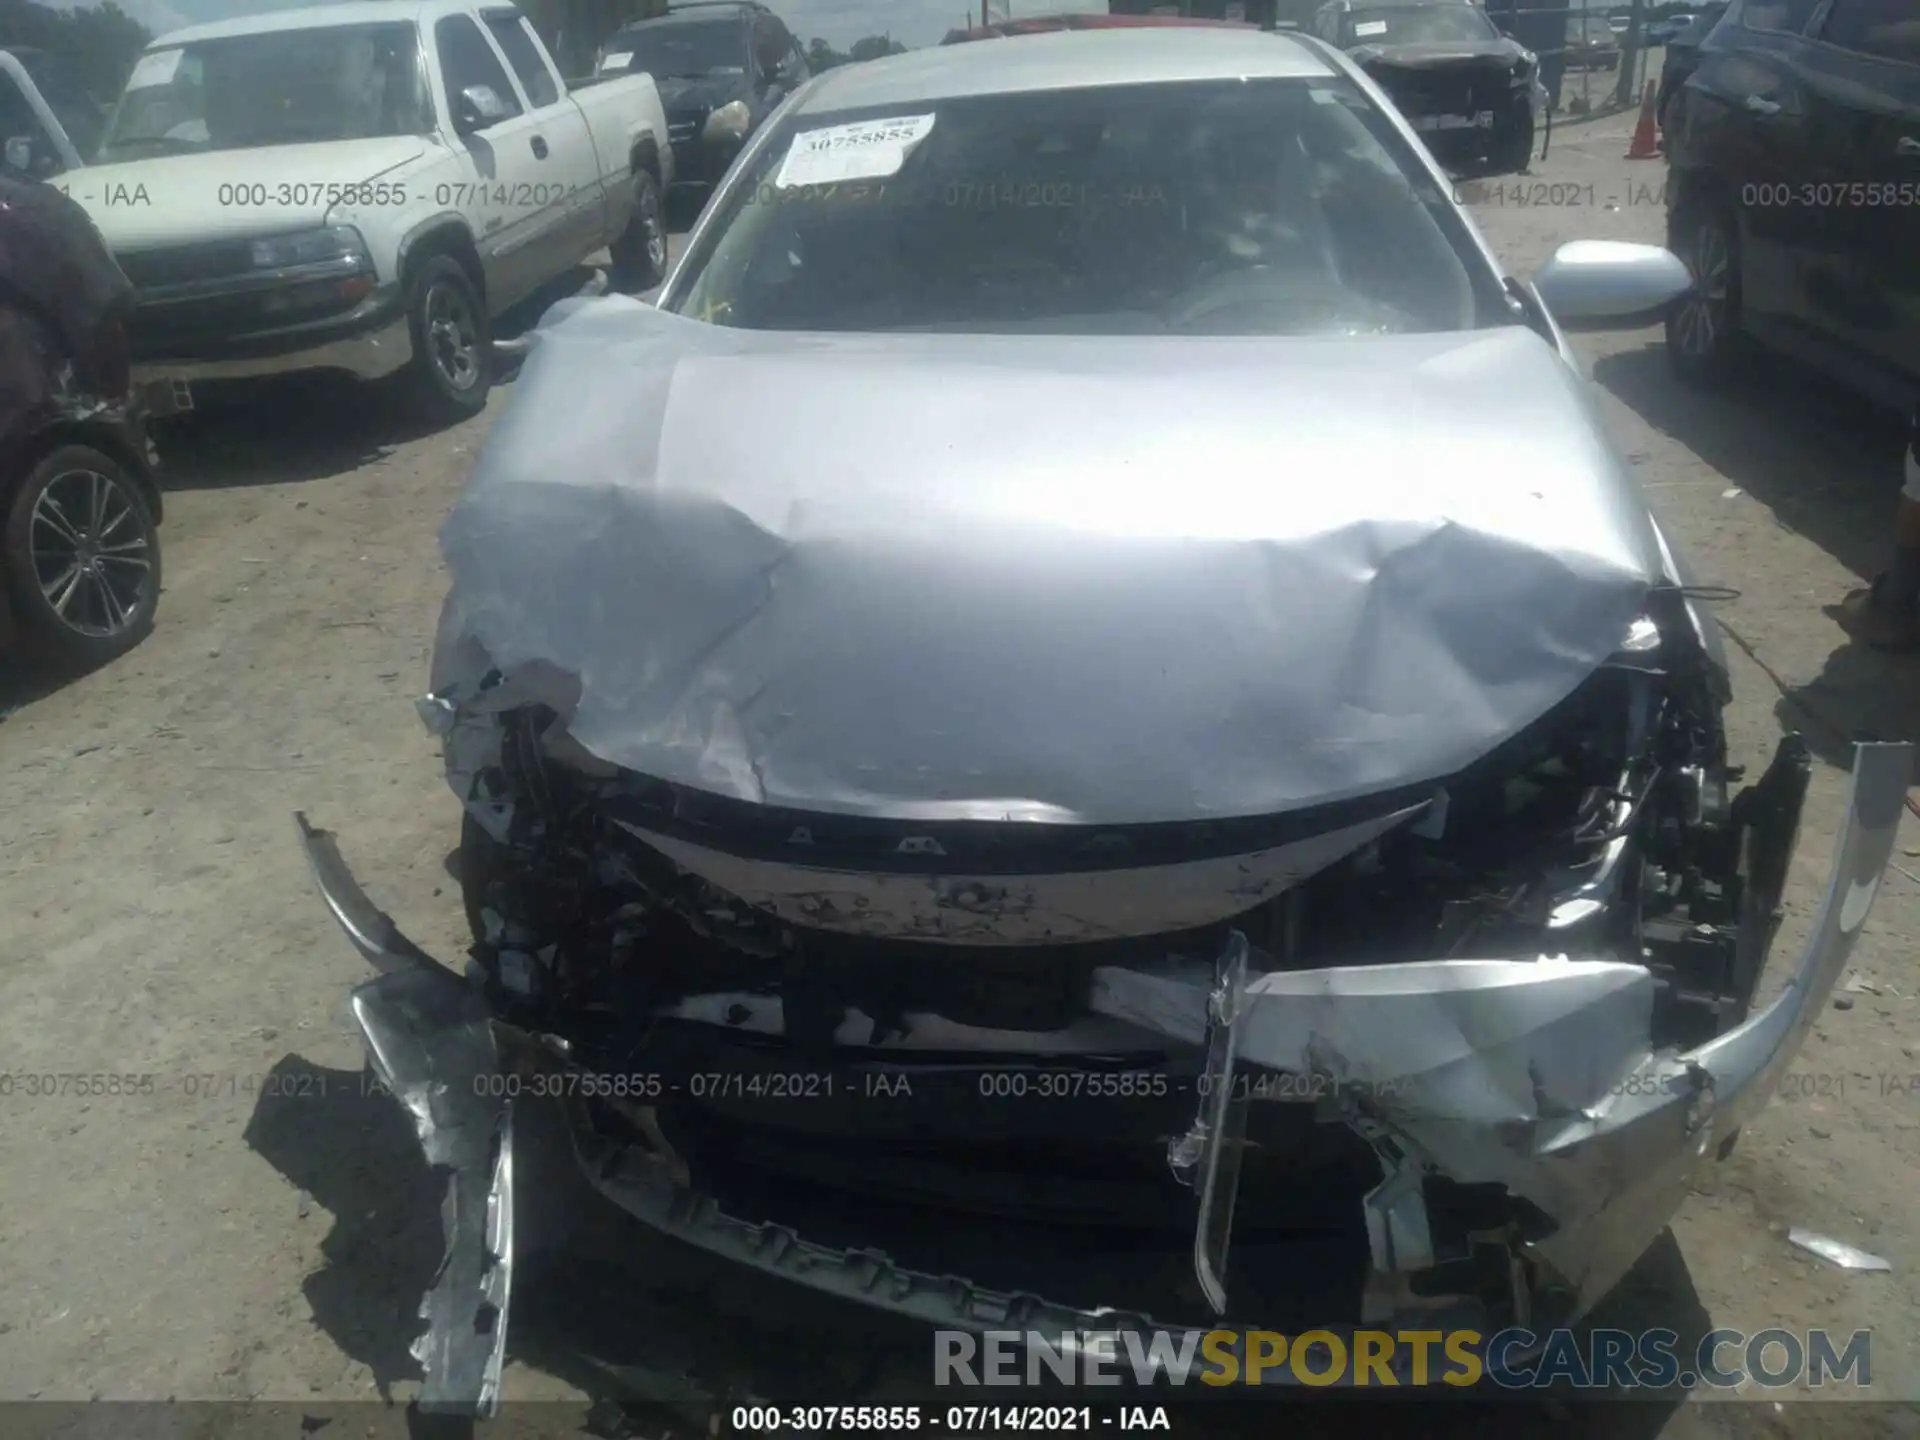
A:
(346, 12)
(1064, 60)
(730, 11)
(1044, 24)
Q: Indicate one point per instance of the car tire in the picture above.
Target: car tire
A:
(640, 254)
(81, 559)
(1703, 326)
(452, 368)
(1515, 153)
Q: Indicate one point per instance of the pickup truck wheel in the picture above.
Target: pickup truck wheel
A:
(452, 343)
(81, 559)
(640, 255)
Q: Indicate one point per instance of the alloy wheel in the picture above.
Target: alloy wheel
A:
(654, 224)
(92, 553)
(453, 338)
(1700, 317)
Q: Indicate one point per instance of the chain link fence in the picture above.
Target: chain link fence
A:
(1593, 56)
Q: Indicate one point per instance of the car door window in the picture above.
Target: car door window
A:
(1790, 16)
(1889, 29)
(509, 28)
(767, 48)
(466, 59)
(791, 57)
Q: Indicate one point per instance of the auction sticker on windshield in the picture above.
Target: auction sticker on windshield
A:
(1370, 27)
(617, 62)
(155, 69)
(864, 150)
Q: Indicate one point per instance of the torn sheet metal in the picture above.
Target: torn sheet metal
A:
(1836, 1252)
(1541, 1074)
(370, 928)
(1208, 1157)
(429, 1039)
(1044, 578)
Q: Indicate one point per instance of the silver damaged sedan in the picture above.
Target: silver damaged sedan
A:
(1084, 705)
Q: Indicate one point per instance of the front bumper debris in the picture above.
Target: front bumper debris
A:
(1534, 1075)
(430, 1042)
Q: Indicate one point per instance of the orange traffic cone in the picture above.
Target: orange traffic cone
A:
(1646, 136)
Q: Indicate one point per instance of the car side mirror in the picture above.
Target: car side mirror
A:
(1610, 284)
(478, 107)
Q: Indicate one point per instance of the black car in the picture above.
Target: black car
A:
(1683, 58)
(1471, 92)
(80, 548)
(1794, 193)
(1590, 43)
(721, 65)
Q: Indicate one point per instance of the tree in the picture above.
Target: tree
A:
(873, 47)
(99, 44)
(822, 56)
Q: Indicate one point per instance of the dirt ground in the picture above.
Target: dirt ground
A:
(257, 1228)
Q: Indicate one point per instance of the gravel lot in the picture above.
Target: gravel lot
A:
(240, 1235)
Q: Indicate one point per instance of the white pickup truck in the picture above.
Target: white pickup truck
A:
(364, 186)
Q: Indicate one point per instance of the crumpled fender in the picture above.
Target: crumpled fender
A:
(1537, 1074)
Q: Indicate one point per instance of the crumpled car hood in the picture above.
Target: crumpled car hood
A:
(1064, 579)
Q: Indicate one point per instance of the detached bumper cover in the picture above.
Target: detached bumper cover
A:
(430, 1042)
(1534, 1074)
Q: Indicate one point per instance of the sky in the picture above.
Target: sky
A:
(839, 22)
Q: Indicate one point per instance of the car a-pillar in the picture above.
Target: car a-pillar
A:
(640, 253)
(447, 323)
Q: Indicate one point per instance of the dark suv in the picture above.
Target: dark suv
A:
(1471, 92)
(721, 65)
(1794, 195)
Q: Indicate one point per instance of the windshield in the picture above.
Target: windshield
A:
(1275, 207)
(1418, 25)
(285, 87)
(683, 48)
